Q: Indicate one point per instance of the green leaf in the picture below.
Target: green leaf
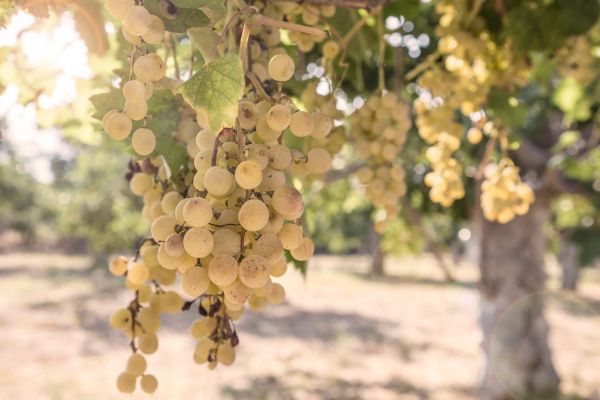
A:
(301, 266)
(570, 97)
(205, 40)
(504, 106)
(185, 18)
(214, 91)
(104, 102)
(567, 139)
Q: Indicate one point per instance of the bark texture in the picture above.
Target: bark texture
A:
(568, 258)
(518, 358)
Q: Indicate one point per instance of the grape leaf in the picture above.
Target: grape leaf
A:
(205, 40)
(104, 102)
(184, 18)
(215, 90)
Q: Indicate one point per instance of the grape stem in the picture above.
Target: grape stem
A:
(380, 67)
(262, 20)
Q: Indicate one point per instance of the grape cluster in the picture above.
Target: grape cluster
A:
(140, 28)
(311, 15)
(471, 65)
(220, 226)
(503, 195)
(379, 130)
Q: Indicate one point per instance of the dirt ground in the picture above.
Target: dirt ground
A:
(340, 335)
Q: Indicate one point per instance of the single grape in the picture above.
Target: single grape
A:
(118, 265)
(138, 273)
(253, 271)
(197, 212)
(143, 141)
(248, 174)
(279, 117)
(148, 383)
(118, 126)
(281, 67)
(195, 281)
(223, 270)
(302, 124)
(137, 20)
(148, 343)
(253, 215)
(136, 364)
(198, 242)
(126, 382)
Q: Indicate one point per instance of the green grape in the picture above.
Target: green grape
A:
(136, 364)
(169, 202)
(198, 242)
(302, 124)
(195, 281)
(138, 273)
(120, 319)
(118, 126)
(149, 318)
(237, 292)
(248, 174)
(218, 181)
(280, 157)
(278, 268)
(148, 343)
(134, 90)
(304, 251)
(247, 114)
(278, 117)
(277, 294)
(223, 270)
(197, 212)
(281, 67)
(155, 32)
(225, 354)
(118, 265)
(143, 141)
(318, 161)
(290, 236)
(137, 20)
(322, 125)
(117, 8)
(203, 327)
(162, 228)
(171, 302)
(148, 383)
(126, 382)
(269, 246)
(253, 271)
(227, 241)
(253, 215)
(288, 202)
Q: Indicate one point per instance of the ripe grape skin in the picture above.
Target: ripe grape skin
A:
(248, 174)
(198, 242)
(281, 67)
(143, 141)
(223, 270)
(197, 212)
(253, 271)
(253, 215)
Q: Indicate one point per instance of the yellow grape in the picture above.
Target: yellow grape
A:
(253, 215)
(290, 235)
(223, 270)
(138, 273)
(278, 117)
(302, 124)
(137, 20)
(118, 126)
(281, 67)
(304, 251)
(148, 343)
(248, 174)
(118, 265)
(148, 383)
(288, 202)
(277, 294)
(197, 212)
(126, 382)
(136, 364)
(195, 281)
(218, 181)
(198, 242)
(143, 141)
(156, 31)
(253, 271)
(162, 228)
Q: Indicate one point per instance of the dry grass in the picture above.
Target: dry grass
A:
(340, 335)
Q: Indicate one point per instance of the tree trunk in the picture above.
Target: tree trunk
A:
(377, 256)
(518, 358)
(568, 258)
